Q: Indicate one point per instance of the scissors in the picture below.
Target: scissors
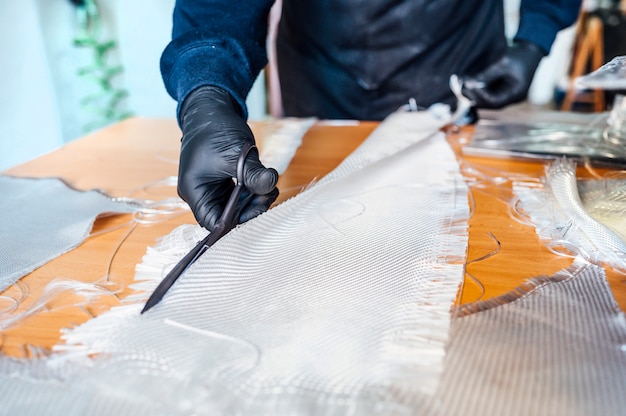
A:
(227, 221)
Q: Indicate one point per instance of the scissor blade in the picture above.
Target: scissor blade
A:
(227, 221)
(179, 269)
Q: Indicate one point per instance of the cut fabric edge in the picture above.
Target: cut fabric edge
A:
(527, 288)
(278, 148)
(110, 205)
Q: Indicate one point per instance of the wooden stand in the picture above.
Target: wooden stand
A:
(588, 56)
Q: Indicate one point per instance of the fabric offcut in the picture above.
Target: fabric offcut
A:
(42, 219)
(279, 147)
(561, 218)
(560, 349)
(335, 302)
(605, 201)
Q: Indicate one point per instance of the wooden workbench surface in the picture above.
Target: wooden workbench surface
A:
(137, 156)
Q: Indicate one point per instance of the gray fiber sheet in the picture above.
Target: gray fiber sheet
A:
(42, 219)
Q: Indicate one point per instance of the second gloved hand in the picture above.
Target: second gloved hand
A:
(214, 131)
(506, 81)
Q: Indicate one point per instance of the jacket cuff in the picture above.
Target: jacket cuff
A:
(215, 62)
(539, 29)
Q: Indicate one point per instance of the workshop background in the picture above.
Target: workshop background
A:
(73, 66)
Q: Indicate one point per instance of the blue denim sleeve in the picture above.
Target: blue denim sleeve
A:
(216, 42)
(541, 20)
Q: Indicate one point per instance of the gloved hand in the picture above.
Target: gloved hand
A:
(507, 80)
(214, 132)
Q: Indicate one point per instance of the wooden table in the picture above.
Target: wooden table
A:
(122, 159)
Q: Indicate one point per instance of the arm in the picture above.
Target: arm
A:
(217, 51)
(507, 80)
(540, 21)
(216, 42)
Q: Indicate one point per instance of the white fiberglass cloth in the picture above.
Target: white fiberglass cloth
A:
(334, 302)
(562, 219)
(42, 219)
(605, 201)
(558, 350)
(279, 146)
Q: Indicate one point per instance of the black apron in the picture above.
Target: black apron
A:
(363, 59)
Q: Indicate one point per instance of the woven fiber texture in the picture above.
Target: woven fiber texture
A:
(558, 350)
(562, 218)
(334, 302)
(42, 219)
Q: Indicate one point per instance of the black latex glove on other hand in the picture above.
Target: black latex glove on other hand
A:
(214, 131)
(507, 80)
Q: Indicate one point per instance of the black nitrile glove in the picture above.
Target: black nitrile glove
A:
(214, 132)
(506, 81)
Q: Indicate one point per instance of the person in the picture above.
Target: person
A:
(341, 59)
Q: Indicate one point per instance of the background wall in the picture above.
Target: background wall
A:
(29, 120)
(41, 90)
